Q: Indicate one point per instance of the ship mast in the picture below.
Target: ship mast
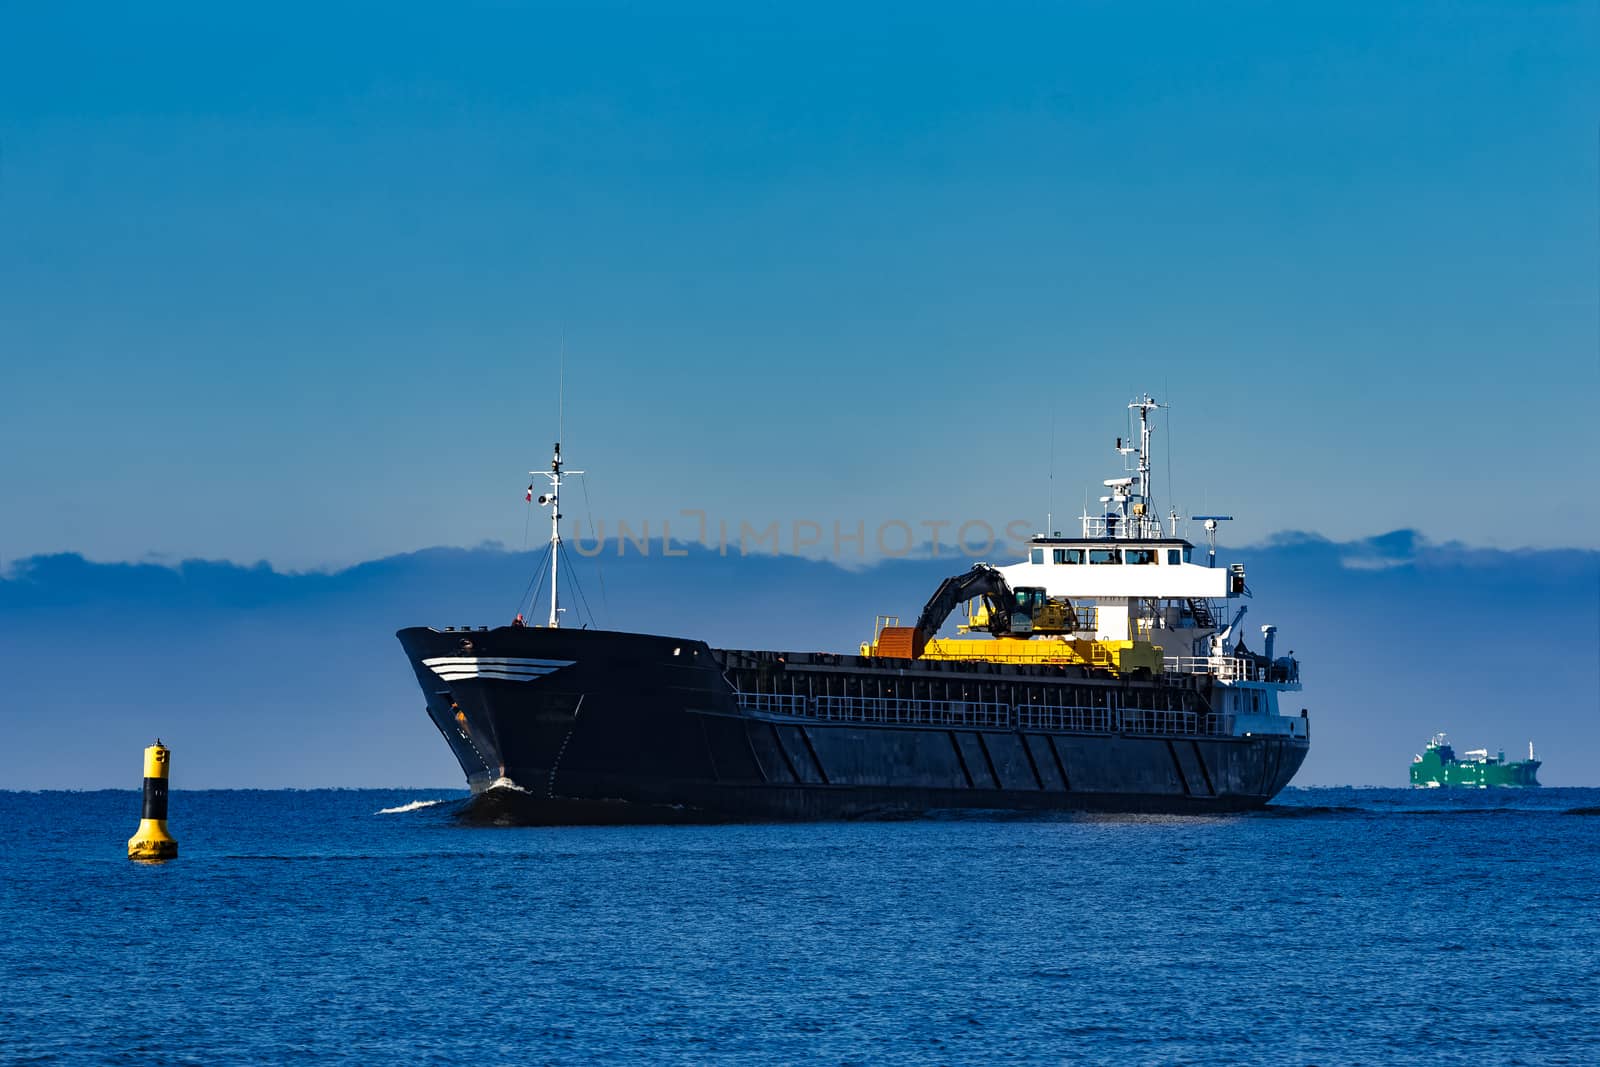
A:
(1129, 503)
(1145, 405)
(556, 476)
(1144, 521)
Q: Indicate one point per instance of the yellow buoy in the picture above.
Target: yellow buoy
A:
(152, 842)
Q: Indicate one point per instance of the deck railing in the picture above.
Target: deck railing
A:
(908, 712)
(1140, 527)
(1224, 668)
(1234, 669)
(971, 715)
(774, 703)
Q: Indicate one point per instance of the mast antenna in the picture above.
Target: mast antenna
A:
(1146, 497)
(553, 499)
(1172, 505)
(1050, 508)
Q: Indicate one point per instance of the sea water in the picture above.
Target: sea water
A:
(1337, 927)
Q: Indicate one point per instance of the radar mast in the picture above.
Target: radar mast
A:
(1130, 510)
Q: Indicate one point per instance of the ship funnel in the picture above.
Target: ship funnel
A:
(1269, 634)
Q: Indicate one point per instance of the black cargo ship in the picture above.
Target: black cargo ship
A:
(598, 726)
(1107, 683)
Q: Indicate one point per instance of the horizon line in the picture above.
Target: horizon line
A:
(920, 551)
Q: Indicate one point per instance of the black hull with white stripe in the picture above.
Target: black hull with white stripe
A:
(585, 726)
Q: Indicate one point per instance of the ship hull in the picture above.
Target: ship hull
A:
(579, 726)
(1522, 775)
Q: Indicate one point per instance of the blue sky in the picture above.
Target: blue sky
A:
(291, 283)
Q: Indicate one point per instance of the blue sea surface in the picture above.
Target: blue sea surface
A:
(366, 926)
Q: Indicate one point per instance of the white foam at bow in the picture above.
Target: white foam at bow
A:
(413, 806)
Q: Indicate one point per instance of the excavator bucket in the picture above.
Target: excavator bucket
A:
(900, 642)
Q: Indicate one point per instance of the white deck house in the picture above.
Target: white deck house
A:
(1130, 580)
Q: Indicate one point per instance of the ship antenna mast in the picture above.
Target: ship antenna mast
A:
(1145, 405)
(553, 499)
(556, 476)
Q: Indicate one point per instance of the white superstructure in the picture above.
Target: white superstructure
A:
(1128, 579)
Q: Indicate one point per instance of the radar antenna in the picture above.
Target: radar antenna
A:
(1211, 534)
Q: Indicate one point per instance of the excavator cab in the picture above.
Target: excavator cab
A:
(1030, 601)
(1034, 612)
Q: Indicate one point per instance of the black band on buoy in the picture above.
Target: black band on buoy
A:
(155, 799)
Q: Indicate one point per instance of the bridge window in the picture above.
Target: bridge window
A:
(1069, 555)
(1036, 556)
(1139, 555)
(1174, 557)
(1103, 555)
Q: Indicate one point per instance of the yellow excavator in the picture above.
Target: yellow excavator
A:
(1026, 626)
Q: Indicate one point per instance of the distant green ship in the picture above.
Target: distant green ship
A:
(1438, 766)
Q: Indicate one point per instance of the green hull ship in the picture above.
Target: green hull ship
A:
(1438, 767)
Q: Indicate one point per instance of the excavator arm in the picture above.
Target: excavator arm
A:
(982, 580)
(1005, 615)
